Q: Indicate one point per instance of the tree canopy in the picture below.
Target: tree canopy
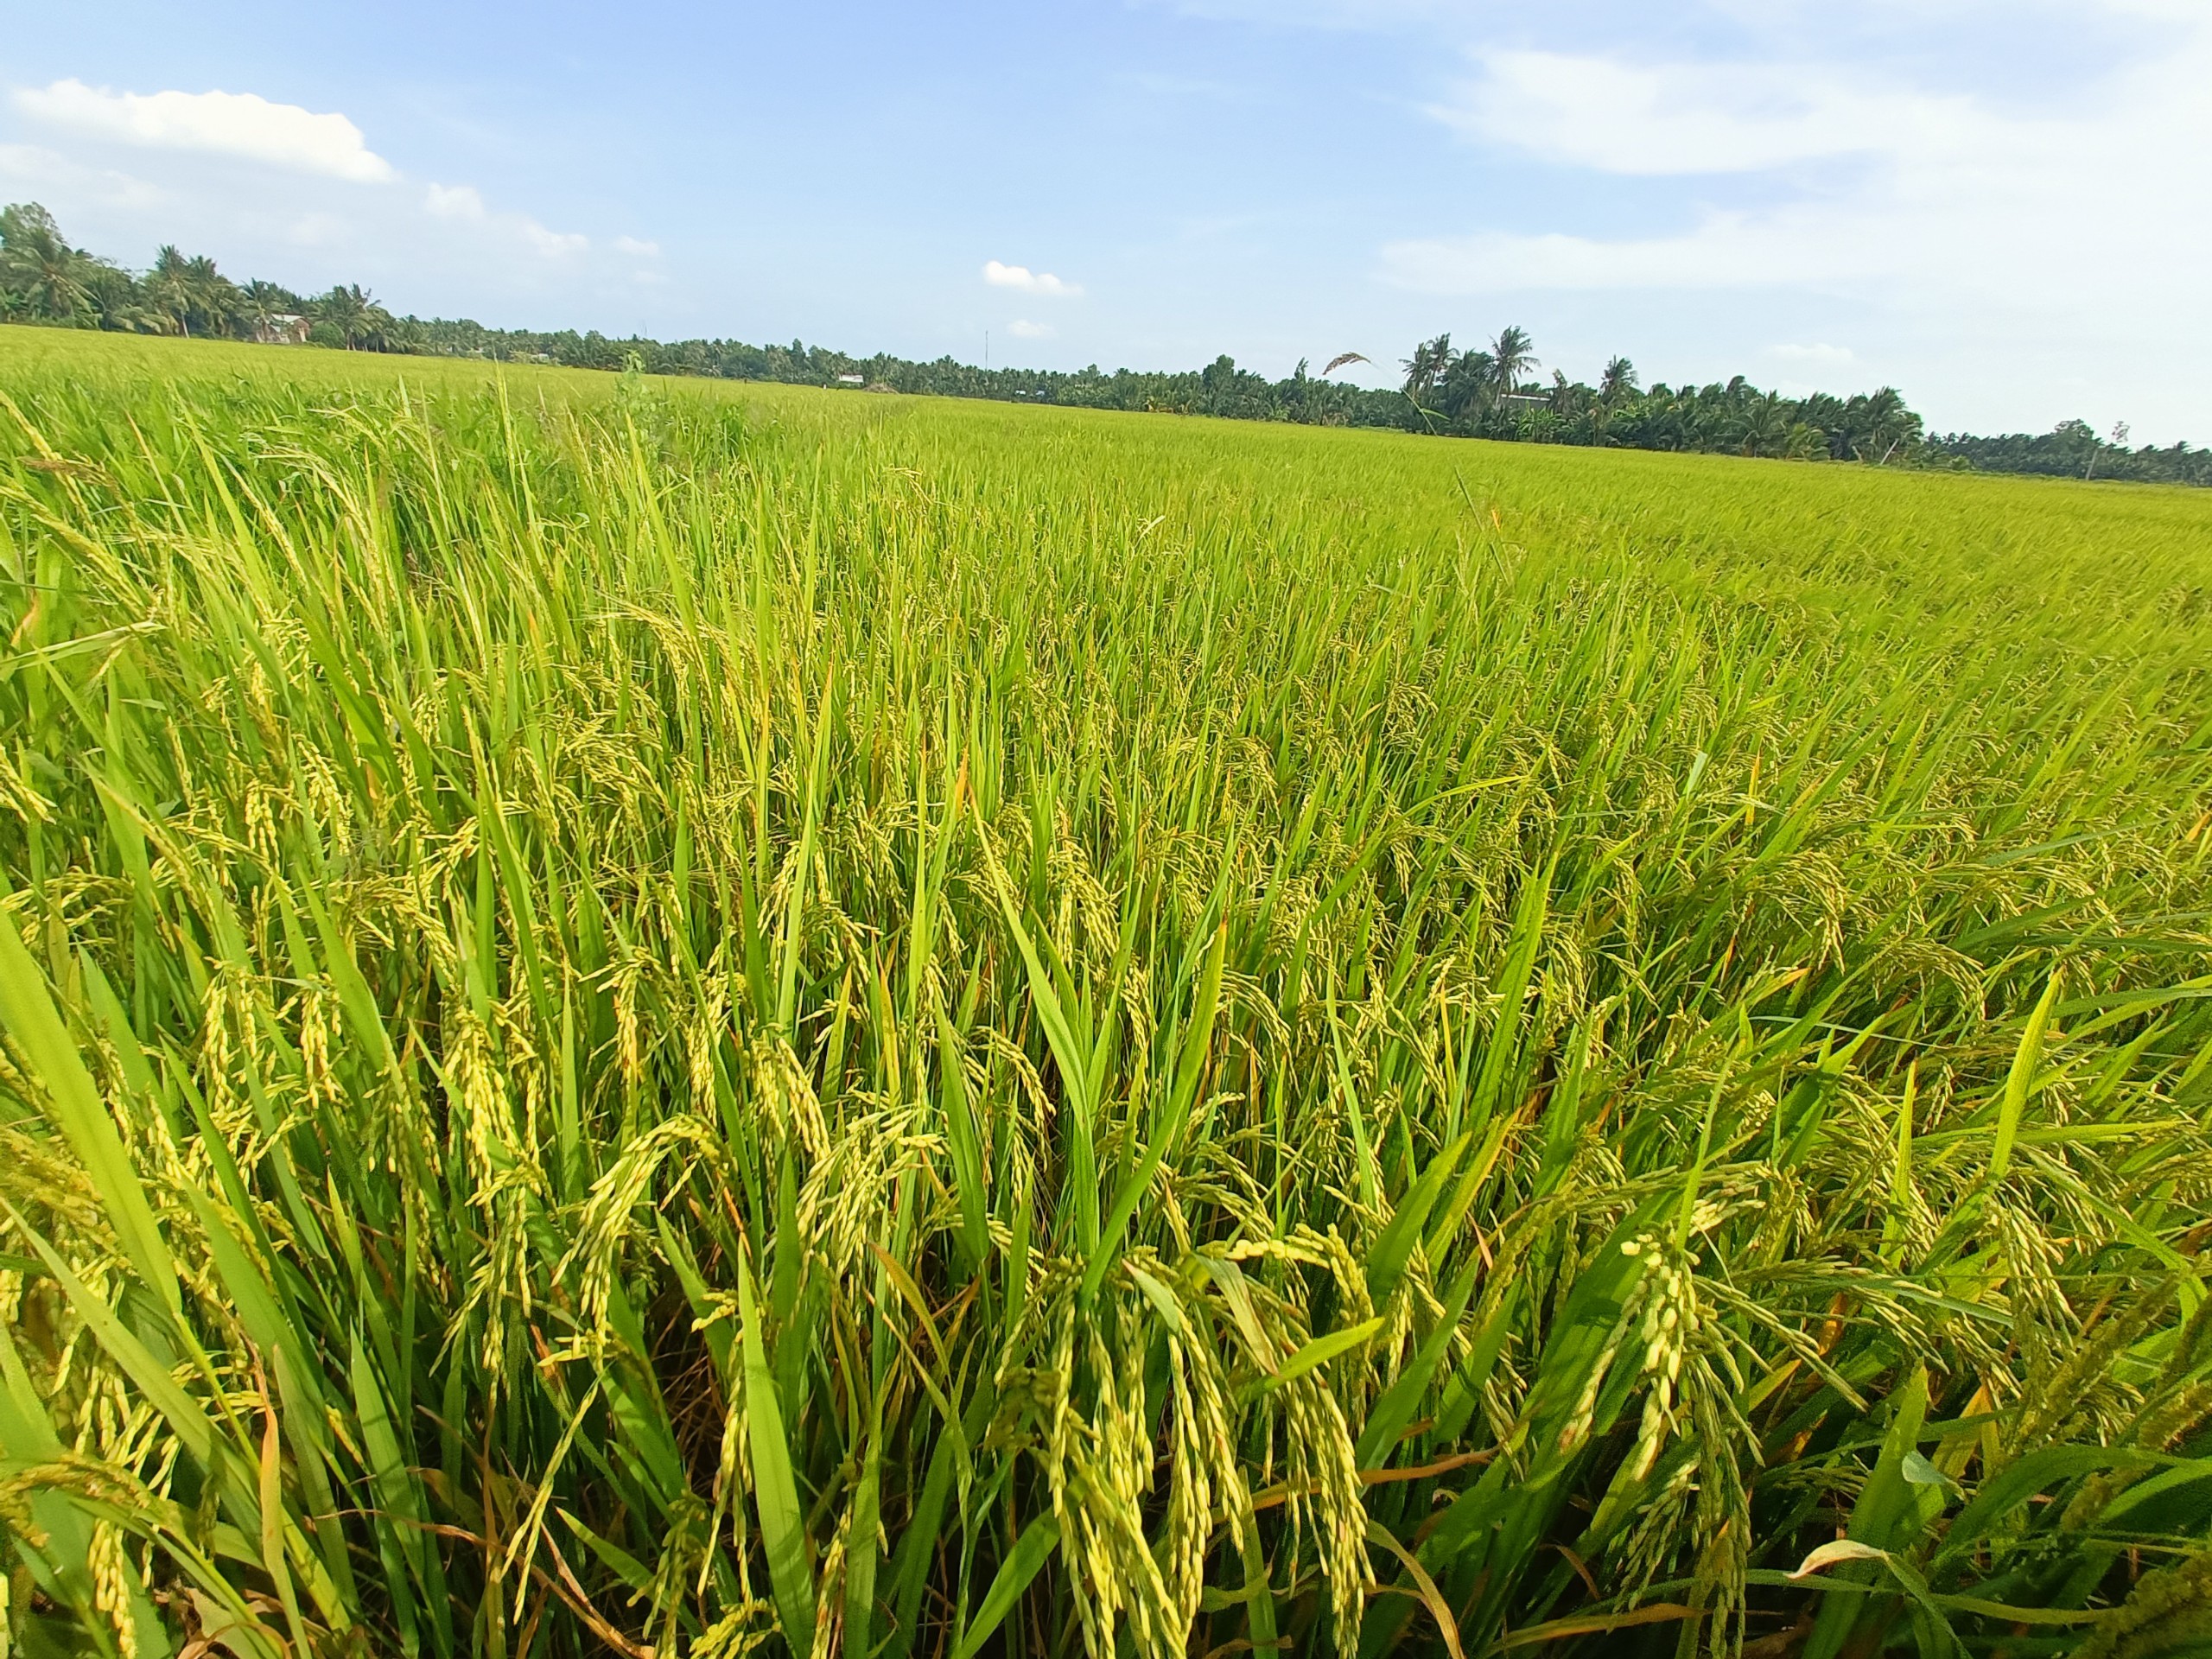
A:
(1486, 391)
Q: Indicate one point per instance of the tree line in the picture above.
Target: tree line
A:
(1492, 390)
(2073, 449)
(44, 279)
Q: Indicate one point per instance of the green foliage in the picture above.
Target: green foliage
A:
(1481, 393)
(2072, 449)
(43, 279)
(677, 1020)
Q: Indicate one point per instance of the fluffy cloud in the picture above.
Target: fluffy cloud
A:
(320, 230)
(1675, 118)
(1028, 281)
(1724, 250)
(1816, 356)
(454, 201)
(1022, 328)
(1377, 15)
(126, 178)
(32, 167)
(245, 126)
(549, 243)
(1923, 200)
(222, 123)
(466, 202)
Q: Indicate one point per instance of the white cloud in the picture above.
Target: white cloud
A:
(224, 124)
(2009, 248)
(1724, 250)
(1320, 14)
(1676, 118)
(637, 248)
(35, 168)
(466, 203)
(1022, 328)
(1816, 356)
(1925, 199)
(1030, 281)
(552, 244)
(454, 201)
(319, 230)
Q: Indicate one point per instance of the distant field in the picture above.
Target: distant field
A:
(678, 1017)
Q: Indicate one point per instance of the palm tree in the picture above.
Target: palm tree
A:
(357, 316)
(261, 303)
(1427, 366)
(1465, 386)
(1828, 415)
(1513, 353)
(113, 300)
(1618, 383)
(215, 301)
(1765, 430)
(1890, 425)
(47, 275)
(169, 288)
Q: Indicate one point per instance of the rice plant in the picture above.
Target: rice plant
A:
(678, 1021)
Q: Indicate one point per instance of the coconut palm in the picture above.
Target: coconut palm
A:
(260, 304)
(1891, 426)
(1764, 425)
(354, 312)
(216, 304)
(168, 289)
(1513, 355)
(113, 300)
(188, 294)
(1466, 384)
(1618, 383)
(46, 275)
(1427, 366)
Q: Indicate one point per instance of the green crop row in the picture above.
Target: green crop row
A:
(686, 1021)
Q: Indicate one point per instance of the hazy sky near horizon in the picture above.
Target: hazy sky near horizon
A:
(2002, 207)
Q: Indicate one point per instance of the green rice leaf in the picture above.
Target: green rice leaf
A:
(1031, 1551)
(79, 1113)
(775, 1491)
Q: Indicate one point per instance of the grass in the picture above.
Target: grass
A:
(699, 1019)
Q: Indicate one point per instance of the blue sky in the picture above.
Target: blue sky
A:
(2004, 208)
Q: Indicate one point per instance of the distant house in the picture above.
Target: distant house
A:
(282, 329)
(1515, 402)
(852, 379)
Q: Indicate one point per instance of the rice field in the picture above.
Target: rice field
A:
(690, 1020)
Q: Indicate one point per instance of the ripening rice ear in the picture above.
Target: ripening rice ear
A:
(689, 1021)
